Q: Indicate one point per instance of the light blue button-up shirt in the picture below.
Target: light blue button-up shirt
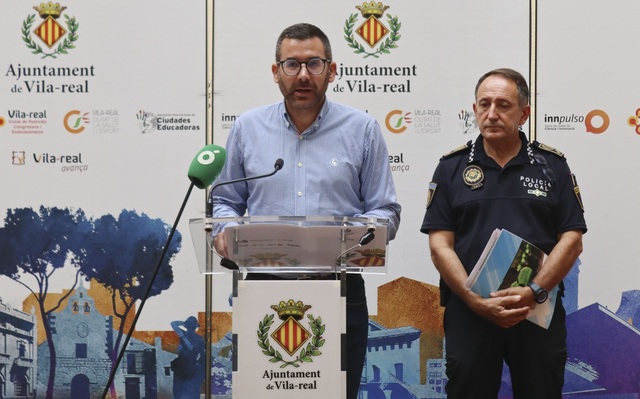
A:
(339, 166)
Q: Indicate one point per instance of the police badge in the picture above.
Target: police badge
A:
(473, 176)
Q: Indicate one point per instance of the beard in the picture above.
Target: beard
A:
(304, 95)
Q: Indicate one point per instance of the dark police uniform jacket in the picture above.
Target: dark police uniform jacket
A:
(535, 196)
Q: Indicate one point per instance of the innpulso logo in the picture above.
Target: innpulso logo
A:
(596, 121)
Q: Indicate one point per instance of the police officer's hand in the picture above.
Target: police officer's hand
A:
(525, 293)
(504, 309)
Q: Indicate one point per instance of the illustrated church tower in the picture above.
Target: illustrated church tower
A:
(82, 337)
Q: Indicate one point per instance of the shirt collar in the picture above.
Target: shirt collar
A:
(525, 155)
(314, 126)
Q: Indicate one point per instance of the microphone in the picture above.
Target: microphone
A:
(368, 236)
(364, 240)
(207, 165)
(209, 210)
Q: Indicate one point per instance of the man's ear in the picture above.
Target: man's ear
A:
(332, 71)
(526, 112)
(274, 71)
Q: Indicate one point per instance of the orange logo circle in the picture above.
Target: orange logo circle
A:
(588, 119)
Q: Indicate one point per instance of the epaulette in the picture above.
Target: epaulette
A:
(547, 148)
(457, 150)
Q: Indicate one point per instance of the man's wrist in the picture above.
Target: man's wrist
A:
(540, 295)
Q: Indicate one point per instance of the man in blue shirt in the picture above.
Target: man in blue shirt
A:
(336, 163)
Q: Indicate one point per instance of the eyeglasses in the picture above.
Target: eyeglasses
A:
(292, 67)
(548, 172)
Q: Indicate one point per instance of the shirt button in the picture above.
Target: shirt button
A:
(299, 193)
(299, 164)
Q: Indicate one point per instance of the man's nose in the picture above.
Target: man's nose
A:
(304, 72)
(493, 111)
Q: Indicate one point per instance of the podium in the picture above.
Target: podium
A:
(288, 334)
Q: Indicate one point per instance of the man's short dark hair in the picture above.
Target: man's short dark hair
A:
(303, 31)
(516, 77)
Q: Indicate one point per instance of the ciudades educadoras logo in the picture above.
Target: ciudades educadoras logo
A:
(292, 336)
(379, 38)
(50, 32)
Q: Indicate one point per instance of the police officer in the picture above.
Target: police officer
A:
(503, 181)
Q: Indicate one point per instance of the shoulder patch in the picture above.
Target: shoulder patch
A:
(431, 192)
(547, 148)
(576, 190)
(457, 150)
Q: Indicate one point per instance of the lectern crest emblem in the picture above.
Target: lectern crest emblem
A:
(300, 342)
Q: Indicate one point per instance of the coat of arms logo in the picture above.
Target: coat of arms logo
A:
(299, 342)
(50, 32)
(378, 38)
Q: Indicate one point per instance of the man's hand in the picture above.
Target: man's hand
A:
(502, 308)
(527, 298)
(506, 308)
(220, 244)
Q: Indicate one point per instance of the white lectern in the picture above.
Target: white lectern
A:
(288, 334)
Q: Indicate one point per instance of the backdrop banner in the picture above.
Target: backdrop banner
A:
(103, 107)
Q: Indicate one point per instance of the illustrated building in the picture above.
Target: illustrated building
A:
(604, 349)
(18, 361)
(83, 338)
(629, 309)
(403, 339)
(392, 363)
(437, 377)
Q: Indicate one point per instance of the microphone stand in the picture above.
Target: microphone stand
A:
(225, 262)
(209, 212)
(114, 368)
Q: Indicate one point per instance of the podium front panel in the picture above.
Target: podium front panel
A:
(288, 336)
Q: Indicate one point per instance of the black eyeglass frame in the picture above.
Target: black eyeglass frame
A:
(300, 63)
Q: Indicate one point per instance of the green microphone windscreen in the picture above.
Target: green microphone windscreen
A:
(207, 165)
